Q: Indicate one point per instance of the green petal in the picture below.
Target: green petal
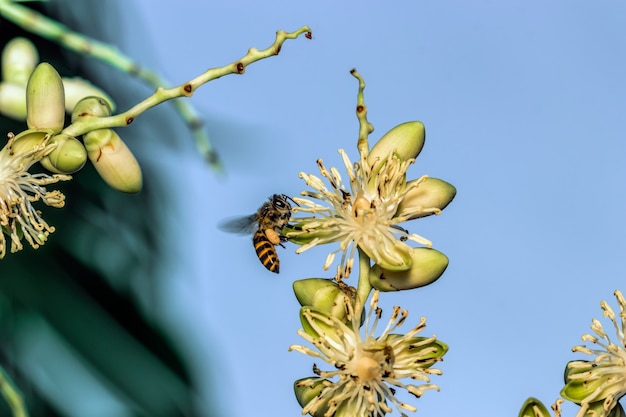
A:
(426, 354)
(430, 193)
(576, 390)
(532, 407)
(406, 140)
(427, 265)
(27, 140)
(397, 258)
(306, 393)
(323, 295)
(297, 236)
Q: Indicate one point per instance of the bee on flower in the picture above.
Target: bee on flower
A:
(366, 210)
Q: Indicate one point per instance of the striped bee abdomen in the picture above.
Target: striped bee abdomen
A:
(265, 251)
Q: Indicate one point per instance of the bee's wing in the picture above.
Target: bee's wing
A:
(241, 225)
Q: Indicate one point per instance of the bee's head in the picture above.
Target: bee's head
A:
(281, 201)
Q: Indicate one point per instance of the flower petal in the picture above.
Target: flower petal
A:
(532, 407)
(406, 140)
(427, 265)
(430, 193)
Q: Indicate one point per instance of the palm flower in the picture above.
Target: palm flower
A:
(598, 384)
(366, 210)
(366, 368)
(19, 188)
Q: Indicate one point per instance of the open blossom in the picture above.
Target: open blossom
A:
(19, 189)
(601, 382)
(365, 367)
(367, 210)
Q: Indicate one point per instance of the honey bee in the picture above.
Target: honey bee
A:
(266, 226)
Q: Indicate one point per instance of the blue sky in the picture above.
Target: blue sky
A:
(523, 103)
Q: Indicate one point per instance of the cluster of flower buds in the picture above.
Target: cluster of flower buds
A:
(37, 93)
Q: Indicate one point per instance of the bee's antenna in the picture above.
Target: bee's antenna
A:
(286, 197)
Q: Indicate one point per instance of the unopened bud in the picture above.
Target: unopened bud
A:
(77, 88)
(45, 99)
(113, 160)
(19, 58)
(69, 156)
(13, 101)
(91, 107)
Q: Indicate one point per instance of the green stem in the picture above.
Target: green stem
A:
(365, 127)
(187, 89)
(12, 395)
(363, 287)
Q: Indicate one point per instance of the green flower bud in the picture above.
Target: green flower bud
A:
(532, 407)
(430, 193)
(306, 390)
(427, 265)
(407, 139)
(45, 99)
(324, 295)
(13, 101)
(78, 88)
(19, 58)
(69, 156)
(113, 160)
(91, 107)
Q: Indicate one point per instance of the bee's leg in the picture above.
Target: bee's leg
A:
(273, 237)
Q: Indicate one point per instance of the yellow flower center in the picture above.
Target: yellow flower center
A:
(367, 369)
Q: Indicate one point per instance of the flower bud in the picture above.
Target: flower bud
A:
(13, 101)
(77, 88)
(306, 390)
(430, 193)
(427, 265)
(532, 407)
(45, 99)
(113, 160)
(19, 58)
(69, 156)
(406, 140)
(324, 296)
(91, 107)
